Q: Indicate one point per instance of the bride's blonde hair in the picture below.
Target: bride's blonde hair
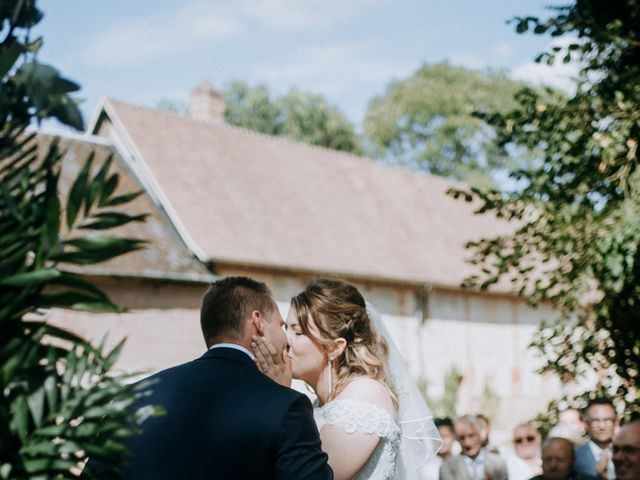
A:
(338, 310)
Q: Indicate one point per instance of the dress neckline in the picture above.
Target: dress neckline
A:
(357, 402)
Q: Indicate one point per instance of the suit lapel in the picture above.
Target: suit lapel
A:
(463, 471)
(592, 457)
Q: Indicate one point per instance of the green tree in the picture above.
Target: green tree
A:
(426, 122)
(252, 108)
(298, 115)
(446, 404)
(59, 403)
(301, 116)
(576, 220)
(489, 401)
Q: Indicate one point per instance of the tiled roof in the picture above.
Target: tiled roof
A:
(253, 199)
(166, 256)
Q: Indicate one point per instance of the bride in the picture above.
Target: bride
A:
(372, 420)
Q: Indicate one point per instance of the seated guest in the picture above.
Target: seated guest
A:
(484, 434)
(445, 429)
(524, 461)
(571, 418)
(475, 462)
(558, 458)
(625, 450)
(569, 426)
(593, 457)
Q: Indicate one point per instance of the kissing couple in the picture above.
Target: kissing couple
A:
(231, 413)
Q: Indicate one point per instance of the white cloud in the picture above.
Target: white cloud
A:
(347, 74)
(503, 50)
(333, 68)
(153, 37)
(197, 21)
(308, 14)
(467, 60)
(559, 75)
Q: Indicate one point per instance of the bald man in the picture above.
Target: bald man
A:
(558, 458)
(626, 451)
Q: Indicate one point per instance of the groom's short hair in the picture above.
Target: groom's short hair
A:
(228, 303)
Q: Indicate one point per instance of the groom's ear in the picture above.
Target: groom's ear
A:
(257, 320)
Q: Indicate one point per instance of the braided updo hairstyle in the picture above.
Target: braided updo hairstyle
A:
(338, 310)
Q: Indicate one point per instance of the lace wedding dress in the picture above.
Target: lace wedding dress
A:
(359, 416)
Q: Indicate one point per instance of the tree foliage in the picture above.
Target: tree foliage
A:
(426, 122)
(444, 406)
(576, 231)
(298, 115)
(30, 89)
(59, 403)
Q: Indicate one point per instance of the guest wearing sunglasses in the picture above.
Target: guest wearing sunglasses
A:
(570, 426)
(524, 462)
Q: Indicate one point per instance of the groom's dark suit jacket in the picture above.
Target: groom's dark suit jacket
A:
(226, 420)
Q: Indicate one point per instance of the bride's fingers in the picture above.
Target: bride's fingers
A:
(264, 350)
(262, 363)
(277, 357)
(269, 349)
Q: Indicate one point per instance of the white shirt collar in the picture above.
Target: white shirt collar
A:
(597, 451)
(479, 458)
(475, 466)
(235, 347)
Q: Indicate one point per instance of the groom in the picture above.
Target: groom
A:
(225, 419)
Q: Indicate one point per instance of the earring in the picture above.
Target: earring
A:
(330, 377)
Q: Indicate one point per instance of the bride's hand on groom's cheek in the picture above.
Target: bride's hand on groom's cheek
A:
(275, 365)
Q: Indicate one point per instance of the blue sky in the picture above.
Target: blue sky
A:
(143, 51)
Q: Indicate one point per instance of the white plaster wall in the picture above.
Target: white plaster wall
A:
(155, 338)
(485, 337)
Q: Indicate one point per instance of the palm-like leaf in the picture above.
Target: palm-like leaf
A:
(59, 403)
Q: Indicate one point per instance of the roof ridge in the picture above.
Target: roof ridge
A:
(239, 128)
(70, 135)
(282, 139)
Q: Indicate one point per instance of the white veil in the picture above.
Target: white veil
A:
(419, 441)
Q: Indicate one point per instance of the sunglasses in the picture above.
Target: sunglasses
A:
(528, 439)
(626, 450)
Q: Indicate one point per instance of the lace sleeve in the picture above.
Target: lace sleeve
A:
(357, 416)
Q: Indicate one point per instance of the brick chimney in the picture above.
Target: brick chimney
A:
(207, 104)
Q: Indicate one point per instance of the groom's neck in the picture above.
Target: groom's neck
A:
(245, 341)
